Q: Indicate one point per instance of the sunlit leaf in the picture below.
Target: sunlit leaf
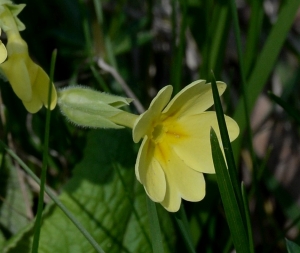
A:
(96, 196)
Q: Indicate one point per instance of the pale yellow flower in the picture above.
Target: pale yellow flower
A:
(28, 80)
(3, 51)
(176, 151)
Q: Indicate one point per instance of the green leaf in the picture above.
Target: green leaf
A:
(265, 63)
(127, 43)
(292, 247)
(184, 228)
(233, 215)
(254, 32)
(248, 218)
(2, 240)
(226, 144)
(98, 199)
(286, 106)
(16, 198)
(20, 242)
(155, 231)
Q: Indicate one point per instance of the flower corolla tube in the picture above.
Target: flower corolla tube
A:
(175, 151)
(28, 80)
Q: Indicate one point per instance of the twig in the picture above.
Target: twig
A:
(102, 64)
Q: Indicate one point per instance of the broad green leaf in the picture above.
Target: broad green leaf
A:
(292, 247)
(96, 196)
(17, 198)
(20, 242)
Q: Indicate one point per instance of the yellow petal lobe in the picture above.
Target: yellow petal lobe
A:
(41, 85)
(34, 105)
(149, 172)
(184, 182)
(194, 147)
(146, 120)
(3, 52)
(193, 99)
(16, 72)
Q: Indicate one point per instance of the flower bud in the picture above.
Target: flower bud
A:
(89, 108)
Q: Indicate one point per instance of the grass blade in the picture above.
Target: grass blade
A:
(183, 225)
(243, 86)
(253, 36)
(231, 207)
(247, 213)
(226, 144)
(179, 50)
(289, 109)
(38, 220)
(265, 63)
(155, 232)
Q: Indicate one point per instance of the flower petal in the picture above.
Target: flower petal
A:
(172, 198)
(3, 52)
(149, 172)
(16, 72)
(144, 122)
(34, 105)
(183, 182)
(142, 125)
(161, 99)
(141, 160)
(194, 149)
(41, 85)
(193, 99)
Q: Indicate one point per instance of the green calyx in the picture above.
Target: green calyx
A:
(8, 16)
(89, 108)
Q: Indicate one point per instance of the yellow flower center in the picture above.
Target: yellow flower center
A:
(158, 133)
(164, 134)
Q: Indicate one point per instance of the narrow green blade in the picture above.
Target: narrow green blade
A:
(264, 64)
(226, 144)
(156, 239)
(183, 225)
(288, 108)
(292, 247)
(233, 215)
(248, 220)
